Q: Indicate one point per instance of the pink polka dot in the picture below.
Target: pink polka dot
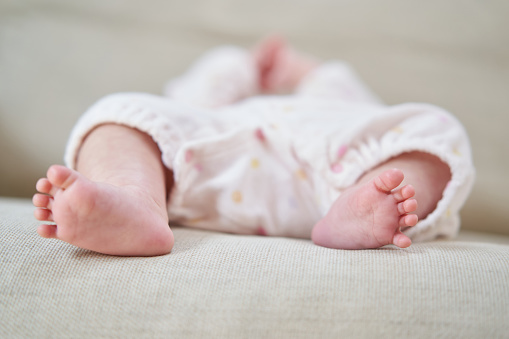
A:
(189, 156)
(337, 168)
(443, 118)
(259, 134)
(261, 231)
(342, 150)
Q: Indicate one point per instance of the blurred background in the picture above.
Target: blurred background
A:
(57, 57)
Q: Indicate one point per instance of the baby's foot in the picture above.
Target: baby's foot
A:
(117, 220)
(369, 215)
(280, 67)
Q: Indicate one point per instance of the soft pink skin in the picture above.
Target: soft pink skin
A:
(373, 212)
(369, 215)
(117, 204)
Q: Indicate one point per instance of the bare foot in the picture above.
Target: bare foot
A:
(117, 220)
(369, 215)
(281, 68)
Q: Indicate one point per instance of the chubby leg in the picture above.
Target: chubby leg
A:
(372, 213)
(115, 203)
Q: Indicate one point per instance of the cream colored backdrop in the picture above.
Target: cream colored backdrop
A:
(59, 56)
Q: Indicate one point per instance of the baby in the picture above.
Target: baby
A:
(223, 152)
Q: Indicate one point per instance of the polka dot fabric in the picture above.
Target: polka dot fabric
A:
(273, 165)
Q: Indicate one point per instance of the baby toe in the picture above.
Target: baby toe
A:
(407, 206)
(408, 220)
(41, 200)
(43, 185)
(404, 193)
(401, 240)
(43, 214)
(389, 180)
(47, 231)
(62, 176)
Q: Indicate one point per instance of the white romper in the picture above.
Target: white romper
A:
(273, 165)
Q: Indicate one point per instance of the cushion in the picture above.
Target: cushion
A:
(224, 285)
